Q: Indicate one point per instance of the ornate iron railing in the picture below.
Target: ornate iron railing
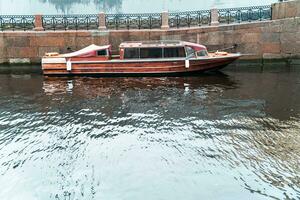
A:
(16, 22)
(188, 19)
(245, 14)
(133, 21)
(70, 22)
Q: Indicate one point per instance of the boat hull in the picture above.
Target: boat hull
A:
(135, 67)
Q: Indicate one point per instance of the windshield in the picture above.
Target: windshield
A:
(190, 52)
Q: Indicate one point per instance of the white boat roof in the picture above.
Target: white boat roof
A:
(85, 50)
(159, 43)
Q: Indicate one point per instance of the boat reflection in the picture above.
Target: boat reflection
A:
(94, 87)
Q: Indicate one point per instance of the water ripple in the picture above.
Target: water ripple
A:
(153, 138)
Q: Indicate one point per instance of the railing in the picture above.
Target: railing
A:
(16, 22)
(70, 22)
(163, 20)
(188, 19)
(133, 21)
(245, 14)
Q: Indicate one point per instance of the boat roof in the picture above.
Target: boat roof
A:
(163, 43)
(85, 50)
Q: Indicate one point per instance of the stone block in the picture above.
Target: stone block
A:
(70, 40)
(189, 37)
(215, 38)
(292, 9)
(278, 11)
(253, 49)
(47, 41)
(290, 48)
(270, 37)
(43, 50)
(156, 34)
(138, 35)
(287, 9)
(22, 52)
(82, 33)
(83, 41)
(232, 37)
(202, 38)
(271, 48)
(1, 41)
(101, 40)
(276, 28)
(171, 37)
(17, 41)
(254, 27)
(290, 25)
(251, 38)
(2, 52)
(287, 38)
(226, 27)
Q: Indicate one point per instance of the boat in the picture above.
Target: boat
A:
(138, 58)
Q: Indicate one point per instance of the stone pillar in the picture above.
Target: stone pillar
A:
(214, 17)
(38, 23)
(165, 20)
(287, 9)
(102, 21)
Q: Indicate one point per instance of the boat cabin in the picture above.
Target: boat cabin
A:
(138, 51)
(161, 49)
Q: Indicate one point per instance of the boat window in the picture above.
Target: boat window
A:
(151, 52)
(190, 52)
(131, 53)
(202, 53)
(174, 52)
(102, 52)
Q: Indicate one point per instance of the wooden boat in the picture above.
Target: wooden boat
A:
(137, 58)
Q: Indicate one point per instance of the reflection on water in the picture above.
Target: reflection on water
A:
(218, 136)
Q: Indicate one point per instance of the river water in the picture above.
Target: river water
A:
(14, 7)
(231, 135)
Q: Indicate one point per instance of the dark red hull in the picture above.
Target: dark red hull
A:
(137, 67)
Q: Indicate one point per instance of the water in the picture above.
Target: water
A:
(116, 6)
(233, 135)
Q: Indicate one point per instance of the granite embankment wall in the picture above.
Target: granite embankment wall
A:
(273, 39)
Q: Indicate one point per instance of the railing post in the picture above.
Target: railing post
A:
(165, 20)
(38, 22)
(102, 21)
(214, 17)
